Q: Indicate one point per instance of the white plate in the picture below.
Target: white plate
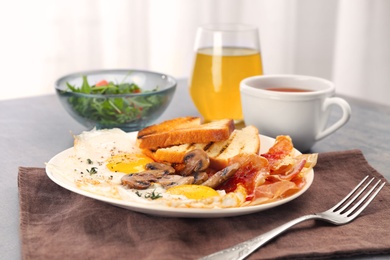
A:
(159, 210)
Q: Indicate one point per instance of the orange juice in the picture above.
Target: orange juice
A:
(215, 82)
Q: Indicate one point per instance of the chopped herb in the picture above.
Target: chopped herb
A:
(153, 195)
(89, 161)
(92, 171)
(149, 195)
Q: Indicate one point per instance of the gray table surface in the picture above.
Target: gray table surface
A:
(32, 130)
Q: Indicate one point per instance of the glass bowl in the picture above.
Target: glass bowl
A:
(129, 111)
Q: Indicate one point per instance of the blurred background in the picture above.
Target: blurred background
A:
(347, 41)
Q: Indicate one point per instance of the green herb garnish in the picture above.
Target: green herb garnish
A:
(110, 110)
(149, 195)
(92, 171)
(153, 195)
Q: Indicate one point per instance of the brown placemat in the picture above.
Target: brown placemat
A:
(58, 224)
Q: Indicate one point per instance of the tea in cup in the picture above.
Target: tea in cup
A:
(294, 105)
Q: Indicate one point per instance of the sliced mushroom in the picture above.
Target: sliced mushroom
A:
(138, 181)
(195, 161)
(168, 181)
(156, 173)
(223, 175)
(160, 166)
(200, 177)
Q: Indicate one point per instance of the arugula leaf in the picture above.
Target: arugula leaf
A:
(85, 87)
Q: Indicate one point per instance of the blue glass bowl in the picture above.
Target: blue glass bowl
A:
(129, 112)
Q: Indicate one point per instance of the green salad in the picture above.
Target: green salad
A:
(111, 111)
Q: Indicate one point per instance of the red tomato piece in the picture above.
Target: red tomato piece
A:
(102, 83)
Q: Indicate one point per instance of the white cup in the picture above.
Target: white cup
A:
(301, 115)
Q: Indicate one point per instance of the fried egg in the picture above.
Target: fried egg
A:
(185, 196)
(99, 146)
(100, 158)
(111, 149)
(128, 163)
(193, 191)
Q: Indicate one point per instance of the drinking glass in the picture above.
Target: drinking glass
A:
(225, 54)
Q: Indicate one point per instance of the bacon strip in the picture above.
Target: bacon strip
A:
(274, 175)
(273, 191)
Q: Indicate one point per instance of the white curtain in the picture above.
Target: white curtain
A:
(346, 41)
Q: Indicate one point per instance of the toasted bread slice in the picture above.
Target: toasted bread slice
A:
(246, 140)
(176, 123)
(172, 134)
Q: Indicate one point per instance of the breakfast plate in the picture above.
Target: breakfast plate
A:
(61, 177)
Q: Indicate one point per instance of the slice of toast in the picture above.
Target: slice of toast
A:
(176, 123)
(246, 140)
(182, 131)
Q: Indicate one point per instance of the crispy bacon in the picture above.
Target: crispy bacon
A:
(276, 174)
(281, 149)
(290, 172)
(253, 172)
(273, 191)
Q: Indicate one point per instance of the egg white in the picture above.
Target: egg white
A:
(99, 145)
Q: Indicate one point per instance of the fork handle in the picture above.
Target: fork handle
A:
(242, 250)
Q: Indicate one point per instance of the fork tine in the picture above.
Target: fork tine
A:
(349, 203)
(357, 204)
(357, 212)
(348, 196)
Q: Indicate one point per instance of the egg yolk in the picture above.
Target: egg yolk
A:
(128, 163)
(193, 191)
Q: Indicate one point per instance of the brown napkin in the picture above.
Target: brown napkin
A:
(58, 224)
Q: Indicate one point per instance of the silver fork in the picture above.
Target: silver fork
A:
(340, 214)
